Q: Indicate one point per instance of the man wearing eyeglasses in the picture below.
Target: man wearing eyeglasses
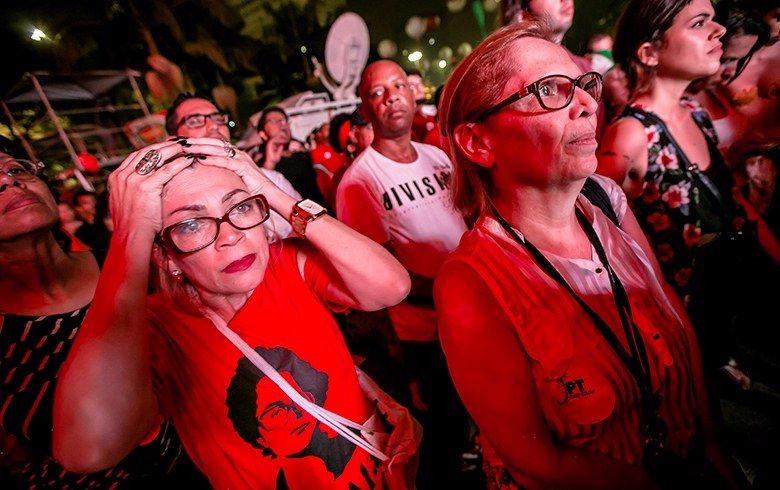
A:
(198, 117)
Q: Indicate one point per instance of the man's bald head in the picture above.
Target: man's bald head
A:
(387, 100)
(370, 73)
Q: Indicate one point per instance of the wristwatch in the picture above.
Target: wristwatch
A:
(303, 213)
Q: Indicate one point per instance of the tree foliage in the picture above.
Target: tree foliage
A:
(255, 42)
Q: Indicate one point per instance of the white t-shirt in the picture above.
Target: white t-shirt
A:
(408, 205)
(279, 223)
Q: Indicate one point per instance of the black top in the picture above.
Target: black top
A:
(32, 350)
(298, 169)
(681, 203)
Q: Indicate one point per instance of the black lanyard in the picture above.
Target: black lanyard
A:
(635, 359)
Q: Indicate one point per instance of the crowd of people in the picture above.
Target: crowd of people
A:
(563, 266)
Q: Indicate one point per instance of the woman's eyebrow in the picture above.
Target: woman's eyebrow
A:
(190, 207)
(232, 193)
(704, 15)
(200, 207)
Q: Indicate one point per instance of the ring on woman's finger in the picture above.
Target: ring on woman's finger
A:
(148, 162)
(230, 149)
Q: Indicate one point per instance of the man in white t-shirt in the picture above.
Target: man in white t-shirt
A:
(197, 117)
(397, 192)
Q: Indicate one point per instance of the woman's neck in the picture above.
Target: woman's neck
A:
(664, 97)
(547, 219)
(35, 263)
(225, 306)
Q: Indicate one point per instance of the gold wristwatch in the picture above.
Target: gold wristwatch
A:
(303, 213)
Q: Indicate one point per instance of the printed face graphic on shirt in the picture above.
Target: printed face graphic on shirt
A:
(282, 424)
(269, 420)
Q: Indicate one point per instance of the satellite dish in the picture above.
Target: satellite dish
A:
(346, 54)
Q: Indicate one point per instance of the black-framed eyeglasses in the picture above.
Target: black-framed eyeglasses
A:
(22, 170)
(195, 121)
(553, 92)
(195, 234)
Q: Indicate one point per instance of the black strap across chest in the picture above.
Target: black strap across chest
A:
(635, 357)
(700, 178)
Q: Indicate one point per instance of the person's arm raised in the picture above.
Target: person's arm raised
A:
(104, 402)
(493, 375)
(370, 278)
(622, 155)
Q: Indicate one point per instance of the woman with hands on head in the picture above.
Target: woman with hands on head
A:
(197, 116)
(578, 368)
(191, 209)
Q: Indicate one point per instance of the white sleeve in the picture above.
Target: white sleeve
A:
(281, 182)
(357, 207)
(279, 223)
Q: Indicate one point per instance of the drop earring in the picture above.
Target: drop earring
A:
(177, 276)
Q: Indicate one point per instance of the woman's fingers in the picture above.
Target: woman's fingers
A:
(240, 163)
(150, 160)
(165, 149)
(209, 146)
(244, 167)
(166, 171)
(143, 162)
(170, 148)
(137, 202)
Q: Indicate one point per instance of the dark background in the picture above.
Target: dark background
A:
(251, 47)
(91, 34)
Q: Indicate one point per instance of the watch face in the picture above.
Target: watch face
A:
(311, 207)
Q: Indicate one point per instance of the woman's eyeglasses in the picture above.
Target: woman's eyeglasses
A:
(195, 234)
(195, 121)
(553, 92)
(22, 170)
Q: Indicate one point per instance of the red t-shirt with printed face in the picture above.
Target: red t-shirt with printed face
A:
(238, 427)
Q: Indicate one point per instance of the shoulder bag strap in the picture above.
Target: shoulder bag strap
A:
(597, 196)
(339, 424)
(692, 169)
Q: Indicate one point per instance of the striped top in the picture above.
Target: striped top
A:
(32, 350)
(588, 397)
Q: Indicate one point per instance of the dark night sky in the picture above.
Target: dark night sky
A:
(386, 19)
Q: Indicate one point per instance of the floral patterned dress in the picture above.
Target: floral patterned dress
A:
(681, 206)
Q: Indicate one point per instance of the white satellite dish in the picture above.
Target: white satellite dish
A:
(346, 54)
